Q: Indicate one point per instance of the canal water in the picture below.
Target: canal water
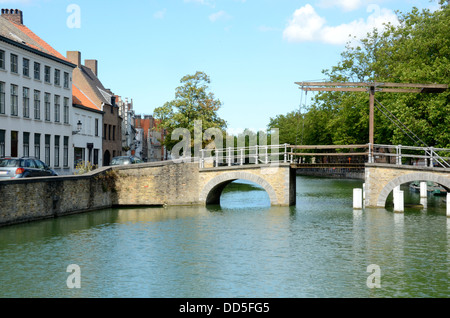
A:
(243, 248)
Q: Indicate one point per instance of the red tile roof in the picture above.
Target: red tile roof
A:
(79, 98)
(32, 40)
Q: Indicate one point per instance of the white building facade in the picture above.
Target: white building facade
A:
(87, 143)
(35, 105)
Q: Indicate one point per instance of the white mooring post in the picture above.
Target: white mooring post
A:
(399, 204)
(423, 189)
(448, 205)
(357, 199)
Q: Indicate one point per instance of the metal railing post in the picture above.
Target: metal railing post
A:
(285, 153)
(267, 154)
(202, 160)
(399, 155)
(217, 157)
(242, 156)
(431, 157)
(256, 155)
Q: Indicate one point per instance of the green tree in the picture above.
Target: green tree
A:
(193, 101)
(417, 50)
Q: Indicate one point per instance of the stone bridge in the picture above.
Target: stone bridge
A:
(170, 183)
(381, 179)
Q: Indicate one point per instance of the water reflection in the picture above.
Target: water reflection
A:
(242, 248)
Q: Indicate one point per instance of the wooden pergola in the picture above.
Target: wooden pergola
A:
(371, 88)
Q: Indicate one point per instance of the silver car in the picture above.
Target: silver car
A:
(15, 168)
(125, 160)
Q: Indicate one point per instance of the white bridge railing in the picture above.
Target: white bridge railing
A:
(409, 155)
(285, 153)
(232, 156)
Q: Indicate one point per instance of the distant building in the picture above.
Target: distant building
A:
(35, 96)
(85, 77)
(130, 144)
(152, 138)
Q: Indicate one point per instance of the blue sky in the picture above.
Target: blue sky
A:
(253, 50)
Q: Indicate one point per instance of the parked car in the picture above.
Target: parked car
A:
(125, 160)
(16, 168)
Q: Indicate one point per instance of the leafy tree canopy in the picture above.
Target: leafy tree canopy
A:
(193, 102)
(417, 50)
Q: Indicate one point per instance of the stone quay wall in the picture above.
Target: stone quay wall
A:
(24, 200)
(147, 184)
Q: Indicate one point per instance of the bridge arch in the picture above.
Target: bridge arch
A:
(213, 189)
(419, 176)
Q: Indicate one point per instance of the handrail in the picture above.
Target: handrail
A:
(376, 153)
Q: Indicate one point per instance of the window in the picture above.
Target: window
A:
(57, 151)
(37, 146)
(26, 67)
(39, 164)
(66, 110)
(96, 127)
(105, 128)
(47, 71)
(95, 157)
(66, 152)
(47, 97)
(47, 150)
(26, 144)
(37, 71)
(2, 98)
(57, 109)
(114, 133)
(14, 64)
(37, 105)
(14, 100)
(2, 143)
(66, 80)
(26, 102)
(2, 59)
(57, 77)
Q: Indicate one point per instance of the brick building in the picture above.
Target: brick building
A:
(152, 138)
(85, 77)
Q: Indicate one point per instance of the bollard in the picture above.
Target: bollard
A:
(399, 205)
(357, 199)
(423, 189)
(448, 205)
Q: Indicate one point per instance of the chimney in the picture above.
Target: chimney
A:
(93, 65)
(13, 15)
(74, 57)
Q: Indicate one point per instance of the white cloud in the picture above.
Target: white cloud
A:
(160, 14)
(306, 25)
(346, 5)
(221, 15)
(209, 3)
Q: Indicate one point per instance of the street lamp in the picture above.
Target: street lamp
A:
(79, 124)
